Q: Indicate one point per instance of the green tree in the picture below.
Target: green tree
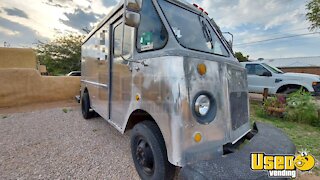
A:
(313, 14)
(61, 55)
(241, 57)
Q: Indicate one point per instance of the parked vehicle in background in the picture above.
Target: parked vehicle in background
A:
(74, 73)
(261, 75)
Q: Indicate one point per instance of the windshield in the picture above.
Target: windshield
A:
(273, 69)
(191, 30)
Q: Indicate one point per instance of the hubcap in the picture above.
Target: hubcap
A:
(145, 157)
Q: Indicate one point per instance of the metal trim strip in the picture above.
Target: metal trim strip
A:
(95, 83)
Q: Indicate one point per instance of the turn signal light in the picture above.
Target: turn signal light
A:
(137, 97)
(197, 137)
(202, 69)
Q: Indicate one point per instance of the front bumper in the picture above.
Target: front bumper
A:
(267, 139)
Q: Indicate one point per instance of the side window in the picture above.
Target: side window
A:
(128, 41)
(151, 32)
(251, 69)
(104, 43)
(123, 45)
(260, 70)
(117, 37)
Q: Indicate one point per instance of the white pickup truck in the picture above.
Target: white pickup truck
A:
(262, 75)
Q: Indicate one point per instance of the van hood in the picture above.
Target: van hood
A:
(312, 77)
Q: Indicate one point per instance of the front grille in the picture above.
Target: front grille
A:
(317, 87)
(239, 109)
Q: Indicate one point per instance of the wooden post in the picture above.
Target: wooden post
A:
(265, 94)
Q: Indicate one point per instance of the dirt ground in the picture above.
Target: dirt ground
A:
(39, 106)
(57, 143)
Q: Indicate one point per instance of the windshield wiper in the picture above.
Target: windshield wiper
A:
(206, 33)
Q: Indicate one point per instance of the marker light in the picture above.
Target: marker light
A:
(200, 8)
(137, 97)
(202, 69)
(197, 137)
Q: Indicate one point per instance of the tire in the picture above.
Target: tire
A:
(289, 91)
(147, 141)
(85, 106)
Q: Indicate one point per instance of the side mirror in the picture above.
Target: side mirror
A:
(132, 19)
(267, 73)
(134, 5)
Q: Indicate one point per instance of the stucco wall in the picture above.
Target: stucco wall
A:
(310, 70)
(26, 86)
(17, 58)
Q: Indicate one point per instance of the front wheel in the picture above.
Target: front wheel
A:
(149, 152)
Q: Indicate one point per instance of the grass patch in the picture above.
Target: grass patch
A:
(65, 110)
(304, 136)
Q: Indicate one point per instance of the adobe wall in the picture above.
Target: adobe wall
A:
(17, 58)
(26, 86)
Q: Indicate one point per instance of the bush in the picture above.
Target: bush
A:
(301, 107)
(275, 105)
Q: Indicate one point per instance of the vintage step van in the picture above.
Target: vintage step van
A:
(162, 69)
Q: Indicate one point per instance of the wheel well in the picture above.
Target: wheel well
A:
(136, 117)
(290, 86)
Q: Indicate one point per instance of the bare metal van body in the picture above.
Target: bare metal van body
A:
(128, 77)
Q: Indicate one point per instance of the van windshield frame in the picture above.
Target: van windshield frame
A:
(200, 37)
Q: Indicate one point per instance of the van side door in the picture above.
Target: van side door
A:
(121, 73)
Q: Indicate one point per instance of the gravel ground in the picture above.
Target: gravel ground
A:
(52, 144)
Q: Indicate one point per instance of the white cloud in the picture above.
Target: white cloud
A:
(45, 18)
(9, 32)
(231, 14)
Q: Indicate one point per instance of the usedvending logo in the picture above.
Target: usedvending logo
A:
(282, 165)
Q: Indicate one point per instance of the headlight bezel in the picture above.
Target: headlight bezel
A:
(210, 115)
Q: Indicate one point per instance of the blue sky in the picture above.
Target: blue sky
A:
(23, 23)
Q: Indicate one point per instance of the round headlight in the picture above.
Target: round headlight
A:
(202, 105)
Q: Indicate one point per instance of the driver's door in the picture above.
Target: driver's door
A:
(257, 79)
